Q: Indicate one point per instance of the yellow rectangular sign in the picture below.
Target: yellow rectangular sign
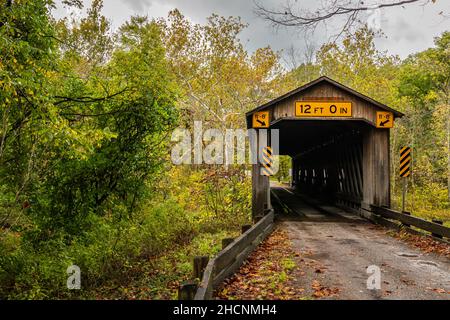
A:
(261, 119)
(385, 119)
(323, 109)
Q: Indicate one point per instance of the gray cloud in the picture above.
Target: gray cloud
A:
(138, 5)
(407, 30)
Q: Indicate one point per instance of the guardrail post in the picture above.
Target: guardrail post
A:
(226, 242)
(199, 265)
(438, 222)
(257, 218)
(245, 227)
(407, 213)
(187, 290)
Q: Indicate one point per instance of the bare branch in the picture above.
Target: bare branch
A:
(87, 99)
(73, 3)
(292, 15)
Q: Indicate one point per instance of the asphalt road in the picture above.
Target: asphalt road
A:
(336, 250)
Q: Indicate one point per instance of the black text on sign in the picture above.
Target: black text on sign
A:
(385, 119)
(261, 119)
(323, 109)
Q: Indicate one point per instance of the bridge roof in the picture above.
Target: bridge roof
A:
(329, 81)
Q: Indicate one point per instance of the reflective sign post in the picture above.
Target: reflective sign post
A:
(405, 171)
(404, 194)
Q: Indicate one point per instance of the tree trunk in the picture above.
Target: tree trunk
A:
(394, 163)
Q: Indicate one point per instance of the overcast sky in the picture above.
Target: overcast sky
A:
(407, 30)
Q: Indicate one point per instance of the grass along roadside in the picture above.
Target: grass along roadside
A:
(159, 277)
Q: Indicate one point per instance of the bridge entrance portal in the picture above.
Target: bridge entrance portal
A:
(338, 140)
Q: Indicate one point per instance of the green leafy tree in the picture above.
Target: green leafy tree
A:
(220, 81)
(119, 117)
(425, 81)
(27, 60)
(357, 63)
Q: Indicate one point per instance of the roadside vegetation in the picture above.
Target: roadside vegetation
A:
(86, 118)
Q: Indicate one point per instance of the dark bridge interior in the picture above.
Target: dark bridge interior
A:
(327, 157)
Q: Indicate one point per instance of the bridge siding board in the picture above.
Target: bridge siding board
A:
(376, 167)
(368, 171)
(382, 167)
(260, 184)
(360, 109)
(334, 84)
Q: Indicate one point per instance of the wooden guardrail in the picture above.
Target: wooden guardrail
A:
(227, 261)
(436, 228)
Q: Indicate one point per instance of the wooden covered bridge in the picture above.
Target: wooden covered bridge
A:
(338, 140)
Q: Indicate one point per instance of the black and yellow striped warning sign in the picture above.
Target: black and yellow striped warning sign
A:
(405, 162)
(267, 162)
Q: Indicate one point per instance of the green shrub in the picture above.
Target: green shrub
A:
(106, 252)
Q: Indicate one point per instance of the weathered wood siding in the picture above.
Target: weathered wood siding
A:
(361, 109)
(376, 167)
(260, 187)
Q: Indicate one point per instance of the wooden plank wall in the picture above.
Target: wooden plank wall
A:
(260, 186)
(376, 189)
(260, 183)
(361, 109)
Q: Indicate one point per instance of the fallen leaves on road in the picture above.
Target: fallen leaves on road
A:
(408, 282)
(321, 291)
(438, 290)
(424, 243)
(387, 292)
(266, 274)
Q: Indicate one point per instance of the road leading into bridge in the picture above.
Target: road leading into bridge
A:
(335, 250)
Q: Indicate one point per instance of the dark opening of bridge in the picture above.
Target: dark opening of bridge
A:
(338, 140)
(326, 156)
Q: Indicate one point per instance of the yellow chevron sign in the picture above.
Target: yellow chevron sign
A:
(405, 162)
(385, 119)
(267, 162)
(261, 119)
